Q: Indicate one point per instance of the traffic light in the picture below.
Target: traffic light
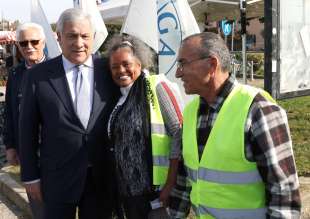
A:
(243, 16)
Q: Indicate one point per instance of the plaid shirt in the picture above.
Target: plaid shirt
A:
(267, 142)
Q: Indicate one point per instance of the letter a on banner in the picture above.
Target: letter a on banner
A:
(175, 22)
(161, 24)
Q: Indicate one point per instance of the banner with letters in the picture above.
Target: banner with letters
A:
(175, 22)
(162, 24)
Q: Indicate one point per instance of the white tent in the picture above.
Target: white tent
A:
(225, 9)
(114, 11)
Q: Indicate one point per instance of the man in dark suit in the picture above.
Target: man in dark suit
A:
(68, 98)
(30, 42)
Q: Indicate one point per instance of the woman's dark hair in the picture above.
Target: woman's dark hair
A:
(139, 49)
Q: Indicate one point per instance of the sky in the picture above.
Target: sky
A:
(20, 9)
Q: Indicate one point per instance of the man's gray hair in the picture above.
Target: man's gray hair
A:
(213, 44)
(30, 25)
(139, 49)
(72, 15)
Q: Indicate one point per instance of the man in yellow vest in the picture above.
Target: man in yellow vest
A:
(237, 149)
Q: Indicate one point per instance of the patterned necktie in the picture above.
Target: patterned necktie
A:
(82, 102)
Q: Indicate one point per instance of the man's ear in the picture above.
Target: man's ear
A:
(214, 62)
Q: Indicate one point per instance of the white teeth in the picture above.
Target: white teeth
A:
(123, 77)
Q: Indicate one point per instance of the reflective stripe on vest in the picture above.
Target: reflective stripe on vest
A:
(158, 129)
(224, 183)
(161, 161)
(206, 213)
(223, 176)
(160, 139)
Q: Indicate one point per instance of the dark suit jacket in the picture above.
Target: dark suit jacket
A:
(66, 148)
(12, 101)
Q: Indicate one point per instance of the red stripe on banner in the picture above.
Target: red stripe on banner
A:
(174, 102)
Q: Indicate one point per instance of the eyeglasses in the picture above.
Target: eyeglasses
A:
(25, 43)
(181, 64)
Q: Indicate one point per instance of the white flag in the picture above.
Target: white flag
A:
(38, 16)
(101, 33)
(162, 24)
(141, 22)
(175, 22)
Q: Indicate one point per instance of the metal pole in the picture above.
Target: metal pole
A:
(272, 48)
(234, 69)
(232, 36)
(252, 70)
(243, 32)
(244, 57)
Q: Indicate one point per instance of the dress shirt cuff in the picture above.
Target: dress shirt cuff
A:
(33, 181)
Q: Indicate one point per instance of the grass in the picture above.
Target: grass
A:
(298, 111)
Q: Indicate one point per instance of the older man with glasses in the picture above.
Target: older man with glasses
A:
(30, 42)
(237, 152)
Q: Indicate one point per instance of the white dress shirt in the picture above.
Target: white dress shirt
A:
(88, 71)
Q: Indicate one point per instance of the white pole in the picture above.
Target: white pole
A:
(232, 36)
(252, 70)
(244, 57)
(234, 69)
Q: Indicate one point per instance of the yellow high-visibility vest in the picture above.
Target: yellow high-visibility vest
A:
(224, 183)
(160, 140)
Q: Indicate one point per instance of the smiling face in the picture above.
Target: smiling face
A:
(76, 40)
(124, 66)
(195, 70)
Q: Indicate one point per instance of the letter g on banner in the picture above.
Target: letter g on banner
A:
(170, 35)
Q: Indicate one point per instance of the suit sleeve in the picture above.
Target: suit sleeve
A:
(29, 130)
(8, 134)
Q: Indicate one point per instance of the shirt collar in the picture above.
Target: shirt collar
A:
(30, 66)
(228, 86)
(69, 65)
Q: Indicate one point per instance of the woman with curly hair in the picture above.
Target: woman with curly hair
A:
(144, 129)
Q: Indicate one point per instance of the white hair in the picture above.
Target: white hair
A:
(29, 25)
(73, 15)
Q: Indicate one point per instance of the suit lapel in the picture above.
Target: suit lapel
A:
(100, 92)
(104, 88)
(60, 84)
